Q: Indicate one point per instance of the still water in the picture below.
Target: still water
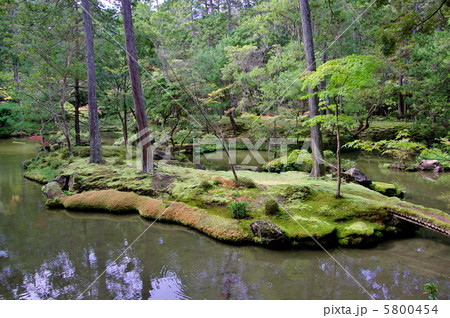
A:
(56, 254)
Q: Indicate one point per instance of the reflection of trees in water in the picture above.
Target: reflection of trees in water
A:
(426, 188)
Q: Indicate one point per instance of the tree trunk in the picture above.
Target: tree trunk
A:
(318, 168)
(95, 142)
(338, 155)
(138, 99)
(65, 128)
(400, 96)
(76, 105)
(124, 123)
(229, 16)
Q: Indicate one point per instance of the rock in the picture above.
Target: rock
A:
(52, 190)
(431, 165)
(61, 180)
(65, 182)
(248, 168)
(271, 233)
(160, 155)
(354, 175)
(200, 166)
(397, 166)
(387, 189)
(70, 183)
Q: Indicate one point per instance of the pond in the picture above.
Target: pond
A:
(57, 254)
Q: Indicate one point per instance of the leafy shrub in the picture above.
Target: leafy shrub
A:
(224, 182)
(205, 185)
(401, 148)
(328, 154)
(296, 192)
(431, 290)
(238, 209)
(271, 207)
(245, 183)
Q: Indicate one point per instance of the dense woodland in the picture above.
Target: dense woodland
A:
(223, 67)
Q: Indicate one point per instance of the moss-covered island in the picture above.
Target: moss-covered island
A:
(201, 199)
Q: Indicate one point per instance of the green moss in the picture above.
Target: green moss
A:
(297, 160)
(386, 189)
(271, 207)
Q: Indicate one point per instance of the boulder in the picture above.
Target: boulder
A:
(269, 232)
(354, 175)
(387, 189)
(431, 165)
(397, 166)
(61, 180)
(52, 190)
(200, 166)
(248, 168)
(160, 155)
(65, 182)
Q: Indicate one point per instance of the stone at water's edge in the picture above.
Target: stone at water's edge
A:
(65, 182)
(271, 233)
(52, 190)
(354, 175)
(431, 165)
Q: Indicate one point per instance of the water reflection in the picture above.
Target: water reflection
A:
(55, 254)
(426, 188)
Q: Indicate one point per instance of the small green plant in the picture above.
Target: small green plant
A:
(238, 209)
(245, 183)
(119, 162)
(271, 207)
(431, 290)
(205, 185)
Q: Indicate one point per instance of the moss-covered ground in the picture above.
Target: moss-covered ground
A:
(201, 199)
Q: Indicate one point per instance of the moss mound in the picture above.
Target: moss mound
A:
(387, 189)
(119, 202)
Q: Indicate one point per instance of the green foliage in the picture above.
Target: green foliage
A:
(431, 290)
(239, 209)
(244, 182)
(401, 148)
(205, 185)
(271, 207)
(344, 76)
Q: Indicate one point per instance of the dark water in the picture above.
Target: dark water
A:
(218, 160)
(425, 188)
(56, 254)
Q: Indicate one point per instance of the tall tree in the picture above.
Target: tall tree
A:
(138, 99)
(318, 168)
(95, 142)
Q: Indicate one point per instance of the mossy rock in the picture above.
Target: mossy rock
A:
(359, 233)
(297, 160)
(296, 192)
(387, 189)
